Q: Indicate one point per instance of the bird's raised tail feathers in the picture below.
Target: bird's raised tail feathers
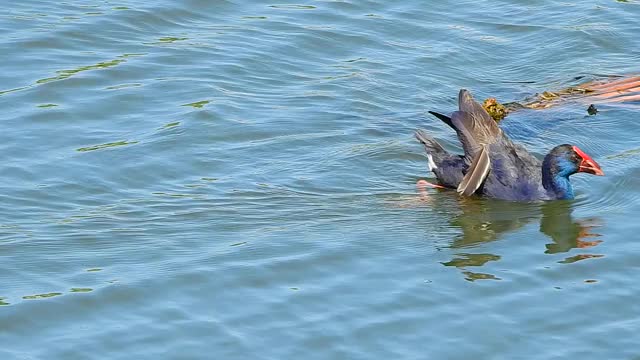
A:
(430, 144)
(432, 147)
(444, 118)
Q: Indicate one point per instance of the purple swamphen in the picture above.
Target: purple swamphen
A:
(494, 166)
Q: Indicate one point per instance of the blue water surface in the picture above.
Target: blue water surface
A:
(236, 180)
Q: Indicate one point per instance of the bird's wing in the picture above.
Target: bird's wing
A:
(476, 131)
(477, 173)
(475, 127)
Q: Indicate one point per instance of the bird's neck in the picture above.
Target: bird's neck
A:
(556, 180)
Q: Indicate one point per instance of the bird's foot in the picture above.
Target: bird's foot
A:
(424, 184)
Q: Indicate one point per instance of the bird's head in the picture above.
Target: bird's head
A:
(569, 159)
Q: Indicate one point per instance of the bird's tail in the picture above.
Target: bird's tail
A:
(435, 151)
(430, 144)
(444, 118)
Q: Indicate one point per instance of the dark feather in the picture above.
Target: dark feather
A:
(444, 118)
(430, 144)
(474, 125)
(476, 174)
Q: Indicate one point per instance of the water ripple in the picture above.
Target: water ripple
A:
(246, 174)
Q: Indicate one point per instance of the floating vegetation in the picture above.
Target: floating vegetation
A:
(2, 302)
(198, 104)
(47, 105)
(80, 290)
(170, 125)
(41, 296)
(171, 39)
(612, 89)
(94, 269)
(624, 154)
(107, 145)
(293, 7)
(123, 86)
(2, 92)
(65, 74)
(132, 55)
(495, 109)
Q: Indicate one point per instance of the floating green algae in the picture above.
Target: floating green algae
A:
(41, 296)
(170, 125)
(107, 145)
(170, 39)
(198, 104)
(80, 290)
(64, 74)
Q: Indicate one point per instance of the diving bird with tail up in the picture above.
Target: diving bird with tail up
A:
(496, 167)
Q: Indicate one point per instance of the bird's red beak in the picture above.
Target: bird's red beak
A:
(588, 165)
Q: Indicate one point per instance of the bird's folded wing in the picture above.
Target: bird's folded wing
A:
(477, 173)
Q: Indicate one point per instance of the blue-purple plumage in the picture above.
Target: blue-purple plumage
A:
(512, 172)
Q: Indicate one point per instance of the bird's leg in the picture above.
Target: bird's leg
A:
(424, 184)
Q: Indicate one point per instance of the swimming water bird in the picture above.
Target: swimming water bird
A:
(496, 167)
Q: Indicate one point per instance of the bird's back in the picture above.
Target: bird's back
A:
(515, 173)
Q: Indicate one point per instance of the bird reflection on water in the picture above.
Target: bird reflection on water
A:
(484, 220)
